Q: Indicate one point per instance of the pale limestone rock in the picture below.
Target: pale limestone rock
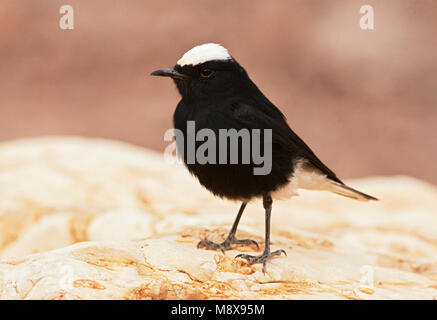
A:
(96, 219)
(121, 225)
(50, 232)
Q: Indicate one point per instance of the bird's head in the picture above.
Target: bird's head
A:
(205, 71)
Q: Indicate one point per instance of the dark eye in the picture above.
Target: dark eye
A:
(206, 73)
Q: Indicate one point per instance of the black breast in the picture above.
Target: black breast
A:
(232, 181)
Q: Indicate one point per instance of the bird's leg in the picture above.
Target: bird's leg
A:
(230, 240)
(266, 255)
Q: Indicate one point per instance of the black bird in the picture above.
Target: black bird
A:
(218, 94)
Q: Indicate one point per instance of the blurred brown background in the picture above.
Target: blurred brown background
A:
(365, 101)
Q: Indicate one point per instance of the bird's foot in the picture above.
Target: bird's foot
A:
(227, 244)
(263, 258)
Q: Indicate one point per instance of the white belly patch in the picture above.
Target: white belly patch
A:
(305, 176)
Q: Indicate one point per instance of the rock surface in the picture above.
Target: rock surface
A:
(95, 219)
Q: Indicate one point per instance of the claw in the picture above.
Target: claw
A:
(247, 242)
(226, 245)
(208, 244)
(263, 258)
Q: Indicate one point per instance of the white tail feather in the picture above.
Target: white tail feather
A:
(344, 190)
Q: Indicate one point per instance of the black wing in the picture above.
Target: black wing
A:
(266, 116)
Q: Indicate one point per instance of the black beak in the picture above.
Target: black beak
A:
(172, 73)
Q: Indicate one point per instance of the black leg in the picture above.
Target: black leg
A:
(226, 245)
(266, 255)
